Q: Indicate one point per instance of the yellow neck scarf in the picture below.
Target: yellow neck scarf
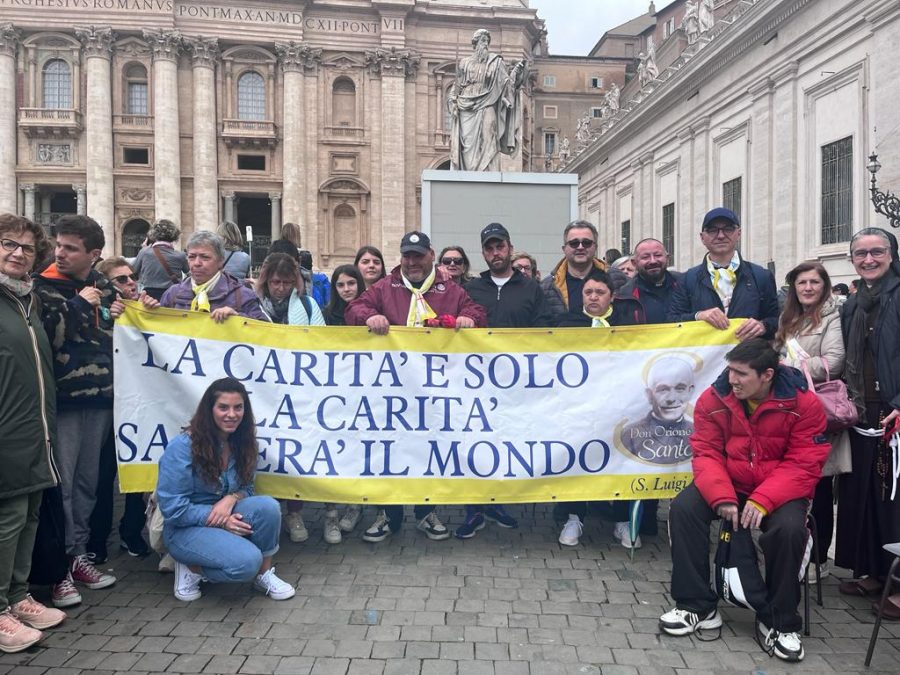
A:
(600, 321)
(419, 310)
(200, 303)
(724, 278)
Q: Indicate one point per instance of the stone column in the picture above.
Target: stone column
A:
(685, 231)
(9, 42)
(294, 59)
(393, 66)
(758, 186)
(166, 46)
(275, 198)
(204, 52)
(28, 189)
(229, 206)
(79, 199)
(701, 185)
(101, 197)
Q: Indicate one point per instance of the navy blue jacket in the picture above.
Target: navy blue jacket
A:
(754, 296)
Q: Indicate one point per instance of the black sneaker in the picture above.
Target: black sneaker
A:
(786, 646)
(468, 529)
(499, 515)
(135, 546)
(97, 553)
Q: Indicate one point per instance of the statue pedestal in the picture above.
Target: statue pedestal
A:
(534, 207)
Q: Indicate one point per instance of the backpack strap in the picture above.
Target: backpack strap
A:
(165, 265)
(305, 300)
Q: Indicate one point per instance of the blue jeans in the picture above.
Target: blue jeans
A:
(225, 557)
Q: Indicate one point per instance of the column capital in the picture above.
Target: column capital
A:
(96, 41)
(10, 36)
(27, 187)
(79, 187)
(275, 196)
(228, 194)
(165, 45)
(297, 56)
(393, 62)
(204, 51)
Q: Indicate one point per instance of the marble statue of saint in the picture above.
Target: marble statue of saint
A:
(646, 70)
(484, 107)
(612, 99)
(564, 150)
(690, 24)
(652, 70)
(583, 130)
(705, 15)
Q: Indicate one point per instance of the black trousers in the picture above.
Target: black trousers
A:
(102, 516)
(394, 514)
(783, 542)
(823, 511)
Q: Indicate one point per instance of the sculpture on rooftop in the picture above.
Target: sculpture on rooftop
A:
(483, 105)
(583, 129)
(690, 24)
(564, 151)
(705, 15)
(611, 99)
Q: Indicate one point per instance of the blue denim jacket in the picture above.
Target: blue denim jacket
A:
(185, 496)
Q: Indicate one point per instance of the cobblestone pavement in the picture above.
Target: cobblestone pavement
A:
(508, 602)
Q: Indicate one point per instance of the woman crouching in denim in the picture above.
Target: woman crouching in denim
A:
(215, 528)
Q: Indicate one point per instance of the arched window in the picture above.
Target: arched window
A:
(251, 96)
(133, 235)
(343, 102)
(344, 230)
(136, 102)
(57, 84)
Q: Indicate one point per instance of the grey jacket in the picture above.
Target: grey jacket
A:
(150, 271)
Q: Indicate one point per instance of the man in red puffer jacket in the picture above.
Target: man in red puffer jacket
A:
(759, 445)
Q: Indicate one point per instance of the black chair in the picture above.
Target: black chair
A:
(814, 560)
(893, 577)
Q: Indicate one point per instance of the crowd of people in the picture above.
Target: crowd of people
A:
(761, 456)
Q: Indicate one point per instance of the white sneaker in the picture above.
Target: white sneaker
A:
(571, 531)
(269, 584)
(351, 518)
(187, 583)
(166, 564)
(293, 524)
(620, 532)
(433, 528)
(681, 621)
(824, 571)
(786, 646)
(379, 530)
(332, 531)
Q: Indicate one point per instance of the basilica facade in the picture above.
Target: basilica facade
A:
(321, 112)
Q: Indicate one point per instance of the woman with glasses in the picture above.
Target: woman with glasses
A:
(869, 513)
(370, 264)
(28, 429)
(159, 265)
(526, 264)
(809, 337)
(455, 261)
(216, 528)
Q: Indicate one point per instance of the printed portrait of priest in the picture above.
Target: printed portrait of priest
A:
(661, 436)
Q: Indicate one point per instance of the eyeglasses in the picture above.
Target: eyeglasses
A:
(580, 243)
(11, 245)
(524, 269)
(731, 228)
(124, 278)
(858, 254)
(452, 261)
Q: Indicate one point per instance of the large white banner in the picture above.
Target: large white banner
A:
(426, 415)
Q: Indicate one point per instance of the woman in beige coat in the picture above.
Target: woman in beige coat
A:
(809, 336)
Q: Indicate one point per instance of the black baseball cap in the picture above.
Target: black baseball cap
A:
(494, 231)
(415, 242)
(720, 213)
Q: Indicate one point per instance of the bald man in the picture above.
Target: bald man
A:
(662, 436)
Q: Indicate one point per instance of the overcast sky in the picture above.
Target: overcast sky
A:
(574, 26)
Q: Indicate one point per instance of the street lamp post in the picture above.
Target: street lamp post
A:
(886, 203)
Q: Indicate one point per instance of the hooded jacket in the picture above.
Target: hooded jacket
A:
(557, 293)
(390, 298)
(227, 292)
(773, 456)
(754, 296)
(27, 398)
(519, 303)
(80, 336)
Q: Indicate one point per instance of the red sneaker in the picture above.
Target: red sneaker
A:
(84, 572)
(64, 594)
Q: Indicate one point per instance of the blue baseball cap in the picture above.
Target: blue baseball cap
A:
(720, 213)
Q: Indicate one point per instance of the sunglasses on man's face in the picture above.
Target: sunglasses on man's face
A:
(580, 243)
(123, 278)
(451, 261)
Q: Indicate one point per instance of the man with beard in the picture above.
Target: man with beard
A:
(412, 293)
(483, 106)
(511, 300)
(562, 287)
(647, 296)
